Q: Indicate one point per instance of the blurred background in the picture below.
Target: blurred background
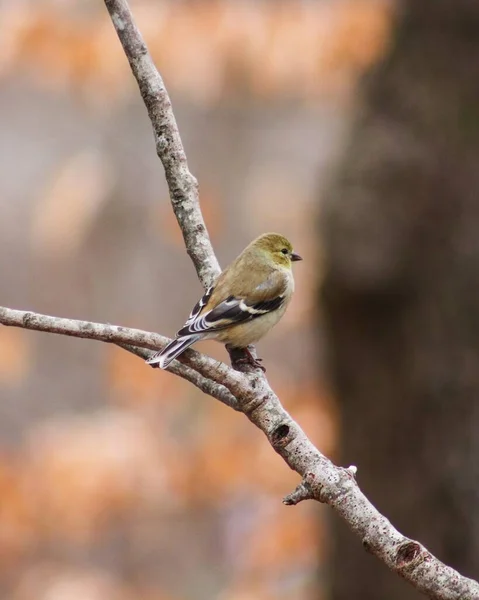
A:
(351, 126)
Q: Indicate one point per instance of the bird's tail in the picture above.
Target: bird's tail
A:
(172, 350)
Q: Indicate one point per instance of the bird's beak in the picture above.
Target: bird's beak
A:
(295, 257)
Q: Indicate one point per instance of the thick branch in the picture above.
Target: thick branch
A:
(181, 183)
(322, 480)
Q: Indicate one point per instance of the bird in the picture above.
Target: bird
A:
(249, 297)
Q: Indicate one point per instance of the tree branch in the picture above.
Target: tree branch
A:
(181, 183)
(251, 394)
(135, 341)
(248, 392)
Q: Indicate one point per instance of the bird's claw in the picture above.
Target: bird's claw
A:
(243, 357)
(248, 362)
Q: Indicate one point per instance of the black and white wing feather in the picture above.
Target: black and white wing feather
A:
(268, 296)
(198, 307)
(231, 311)
(181, 342)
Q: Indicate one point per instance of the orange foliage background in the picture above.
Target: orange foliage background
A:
(117, 481)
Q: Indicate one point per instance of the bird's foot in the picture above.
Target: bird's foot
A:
(243, 359)
(253, 360)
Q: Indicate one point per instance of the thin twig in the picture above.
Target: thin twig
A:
(216, 390)
(181, 183)
(135, 341)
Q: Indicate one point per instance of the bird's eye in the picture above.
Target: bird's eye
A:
(284, 251)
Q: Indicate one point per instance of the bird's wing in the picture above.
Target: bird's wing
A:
(202, 302)
(268, 296)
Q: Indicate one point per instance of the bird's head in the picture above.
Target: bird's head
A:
(278, 248)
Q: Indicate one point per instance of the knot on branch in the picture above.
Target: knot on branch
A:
(281, 436)
(162, 143)
(254, 403)
(409, 555)
(27, 319)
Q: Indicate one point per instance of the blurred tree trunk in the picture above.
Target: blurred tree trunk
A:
(401, 295)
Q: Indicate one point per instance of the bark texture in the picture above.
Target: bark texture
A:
(401, 295)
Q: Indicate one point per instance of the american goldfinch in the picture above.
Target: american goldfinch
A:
(248, 299)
